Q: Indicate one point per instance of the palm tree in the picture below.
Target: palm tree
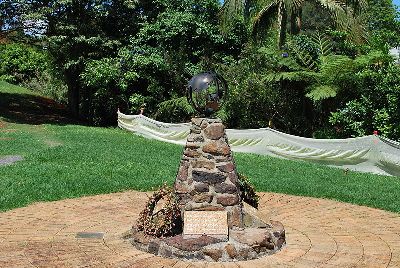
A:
(260, 14)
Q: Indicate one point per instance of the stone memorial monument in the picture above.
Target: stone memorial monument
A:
(216, 225)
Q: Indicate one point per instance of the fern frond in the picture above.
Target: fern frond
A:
(304, 57)
(354, 26)
(175, 104)
(323, 42)
(334, 65)
(229, 10)
(264, 18)
(372, 58)
(302, 76)
(321, 92)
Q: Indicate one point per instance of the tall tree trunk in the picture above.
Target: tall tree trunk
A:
(246, 11)
(295, 21)
(282, 21)
(73, 94)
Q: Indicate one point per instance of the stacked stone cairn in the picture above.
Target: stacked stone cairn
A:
(207, 180)
(207, 177)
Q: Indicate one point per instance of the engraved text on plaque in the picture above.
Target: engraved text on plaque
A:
(211, 223)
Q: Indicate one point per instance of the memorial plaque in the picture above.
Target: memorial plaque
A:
(90, 235)
(211, 223)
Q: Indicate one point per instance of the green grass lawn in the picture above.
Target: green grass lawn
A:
(67, 160)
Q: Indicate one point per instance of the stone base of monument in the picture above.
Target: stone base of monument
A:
(255, 240)
(217, 225)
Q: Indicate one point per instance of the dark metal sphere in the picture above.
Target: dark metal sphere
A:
(205, 92)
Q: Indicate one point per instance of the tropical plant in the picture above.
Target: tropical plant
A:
(377, 107)
(262, 15)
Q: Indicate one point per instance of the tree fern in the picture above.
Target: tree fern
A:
(321, 92)
(175, 107)
(334, 66)
(303, 56)
(374, 57)
(323, 42)
(304, 76)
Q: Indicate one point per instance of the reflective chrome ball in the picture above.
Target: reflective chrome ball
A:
(205, 92)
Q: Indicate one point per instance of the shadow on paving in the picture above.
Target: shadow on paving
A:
(34, 110)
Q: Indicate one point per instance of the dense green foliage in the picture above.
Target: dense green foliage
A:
(316, 69)
(21, 63)
(65, 161)
(377, 107)
(31, 67)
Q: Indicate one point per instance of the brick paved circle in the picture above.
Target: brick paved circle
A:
(320, 233)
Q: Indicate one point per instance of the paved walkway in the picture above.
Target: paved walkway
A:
(320, 233)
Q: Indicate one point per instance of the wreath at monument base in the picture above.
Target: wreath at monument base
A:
(167, 221)
(248, 191)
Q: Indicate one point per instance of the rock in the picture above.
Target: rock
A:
(233, 177)
(164, 251)
(181, 187)
(154, 245)
(195, 129)
(228, 200)
(243, 254)
(222, 159)
(217, 148)
(192, 153)
(279, 233)
(235, 218)
(215, 254)
(208, 177)
(183, 171)
(252, 221)
(258, 249)
(226, 188)
(211, 208)
(197, 121)
(191, 244)
(192, 137)
(214, 131)
(277, 228)
(201, 187)
(231, 251)
(204, 124)
(203, 164)
(280, 242)
(200, 198)
(192, 145)
(140, 236)
(252, 236)
(227, 167)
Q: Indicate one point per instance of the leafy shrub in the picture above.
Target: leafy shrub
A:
(48, 85)
(103, 91)
(377, 107)
(19, 63)
(268, 95)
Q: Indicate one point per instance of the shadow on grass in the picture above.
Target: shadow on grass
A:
(34, 110)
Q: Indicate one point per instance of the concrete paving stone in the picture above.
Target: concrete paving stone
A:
(320, 233)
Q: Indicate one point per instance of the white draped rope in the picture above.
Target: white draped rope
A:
(367, 154)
